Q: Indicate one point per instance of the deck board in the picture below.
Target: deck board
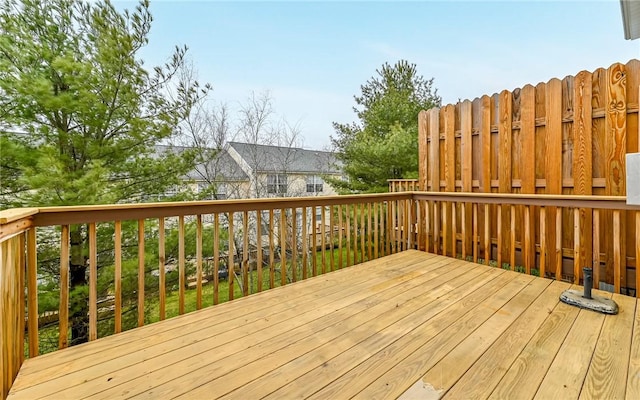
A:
(412, 324)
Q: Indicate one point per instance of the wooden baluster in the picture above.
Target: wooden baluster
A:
(474, 211)
(118, 277)
(558, 255)
(331, 238)
(32, 293)
(231, 256)
(305, 243)
(216, 257)
(198, 262)
(436, 228)
(446, 230)
(393, 228)
(454, 230)
(577, 262)
(272, 277)
(499, 235)
(348, 233)
(595, 257)
(512, 247)
(543, 241)
(407, 225)
(362, 233)
(369, 242)
(376, 209)
(283, 247)
(617, 254)
(323, 242)
(141, 272)
(528, 240)
(464, 230)
(162, 278)
(527, 246)
(93, 282)
(314, 242)
(340, 234)
(355, 234)
(294, 245)
(487, 235)
(63, 309)
(427, 225)
(259, 248)
(181, 265)
(245, 254)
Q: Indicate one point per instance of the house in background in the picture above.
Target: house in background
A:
(277, 171)
(248, 171)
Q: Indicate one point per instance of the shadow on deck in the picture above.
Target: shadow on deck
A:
(413, 325)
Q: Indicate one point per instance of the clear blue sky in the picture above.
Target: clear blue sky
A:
(313, 56)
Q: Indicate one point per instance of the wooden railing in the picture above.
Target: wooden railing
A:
(148, 262)
(470, 225)
(403, 185)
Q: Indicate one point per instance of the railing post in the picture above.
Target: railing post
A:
(12, 317)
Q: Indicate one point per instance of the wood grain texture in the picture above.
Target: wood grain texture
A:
(497, 360)
(93, 282)
(529, 368)
(63, 307)
(216, 259)
(633, 373)
(582, 163)
(615, 150)
(505, 162)
(32, 293)
(141, 274)
(553, 162)
(370, 331)
(607, 375)
(162, 278)
(181, 265)
(423, 148)
(231, 265)
(12, 321)
(434, 149)
(117, 233)
(566, 374)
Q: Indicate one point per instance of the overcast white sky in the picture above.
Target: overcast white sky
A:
(313, 56)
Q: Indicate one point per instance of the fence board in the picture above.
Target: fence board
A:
(566, 136)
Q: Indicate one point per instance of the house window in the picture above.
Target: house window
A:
(315, 184)
(277, 183)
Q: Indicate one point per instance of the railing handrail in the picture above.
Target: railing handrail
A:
(544, 200)
(18, 220)
(66, 215)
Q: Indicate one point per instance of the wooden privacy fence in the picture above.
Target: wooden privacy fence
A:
(563, 137)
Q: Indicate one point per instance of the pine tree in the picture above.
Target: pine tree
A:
(383, 144)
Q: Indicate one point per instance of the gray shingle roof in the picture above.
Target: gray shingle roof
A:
(264, 158)
(221, 166)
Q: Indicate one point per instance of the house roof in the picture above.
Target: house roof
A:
(220, 166)
(630, 18)
(265, 158)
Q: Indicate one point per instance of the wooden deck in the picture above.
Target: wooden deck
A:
(411, 325)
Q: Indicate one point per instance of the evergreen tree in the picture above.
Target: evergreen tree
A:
(88, 113)
(383, 144)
